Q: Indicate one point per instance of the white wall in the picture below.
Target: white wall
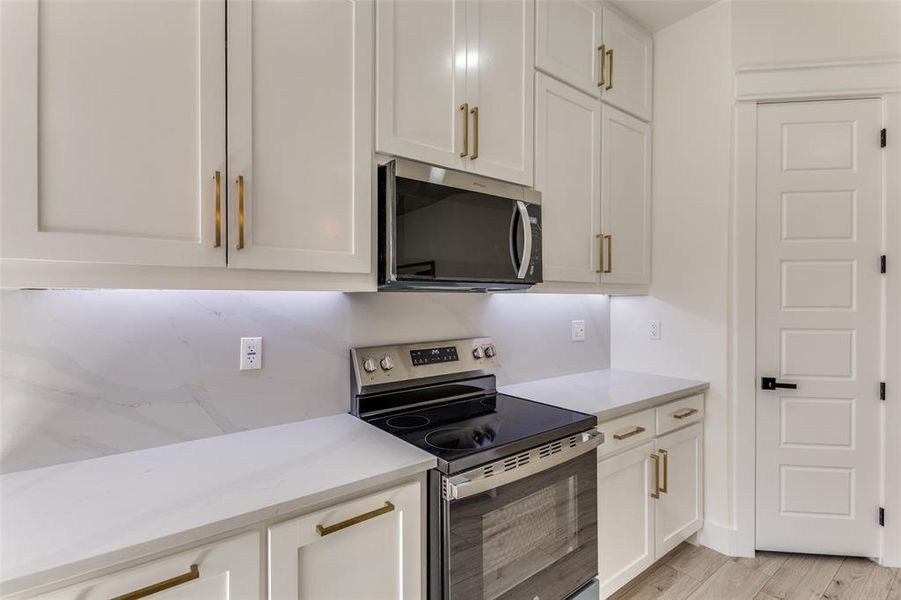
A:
(89, 373)
(691, 191)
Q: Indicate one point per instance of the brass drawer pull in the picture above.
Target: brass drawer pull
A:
(601, 54)
(609, 239)
(686, 413)
(665, 456)
(600, 268)
(323, 531)
(610, 71)
(464, 108)
(156, 588)
(656, 493)
(217, 178)
(621, 436)
(475, 133)
(240, 182)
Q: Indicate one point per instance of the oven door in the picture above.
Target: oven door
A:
(535, 537)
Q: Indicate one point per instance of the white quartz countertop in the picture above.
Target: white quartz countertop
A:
(607, 393)
(69, 519)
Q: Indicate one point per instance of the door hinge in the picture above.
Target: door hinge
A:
(882, 390)
(881, 516)
(882, 136)
(882, 264)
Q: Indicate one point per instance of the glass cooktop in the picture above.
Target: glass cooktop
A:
(466, 433)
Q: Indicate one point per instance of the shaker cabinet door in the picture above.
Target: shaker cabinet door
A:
(568, 42)
(300, 147)
(113, 131)
(679, 509)
(363, 549)
(628, 65)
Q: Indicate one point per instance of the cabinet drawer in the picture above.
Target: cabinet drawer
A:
(625, 432)
(680, 413)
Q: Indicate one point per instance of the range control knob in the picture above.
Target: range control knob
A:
(386, 363)
(369, 365)
(477, 352)
(490, 352)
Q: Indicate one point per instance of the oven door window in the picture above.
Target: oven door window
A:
(536, 537)
(444, 233)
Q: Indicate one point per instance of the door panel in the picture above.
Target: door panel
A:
(568, 175)
(567, 38)
(113, 127)
(819, 231)
(300, 92)
(499, 82)
(629, 66)
(679, 510)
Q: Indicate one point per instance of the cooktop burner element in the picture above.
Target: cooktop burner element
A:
(407, 421)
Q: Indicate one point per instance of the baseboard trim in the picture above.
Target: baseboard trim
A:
(721, 538)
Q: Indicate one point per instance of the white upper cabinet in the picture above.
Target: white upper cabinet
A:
(568, 42)
(299, 135)
(568, 175)
(627, 66)
(455, 83)
(113, 130)
(625, 198)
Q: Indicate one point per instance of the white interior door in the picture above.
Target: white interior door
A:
(819, 239)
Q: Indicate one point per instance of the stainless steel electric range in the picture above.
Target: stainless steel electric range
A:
(513, 501)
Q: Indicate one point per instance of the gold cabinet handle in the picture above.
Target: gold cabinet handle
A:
(665, 456)
(600, 238)
(609, 239)
(156, 588)
(621, 436)
(656, 493)
(464, 108)
(217, 179)
(323, 531)
(601, 54)
(475, 133)
(686, 413)
(610, 70)
(240, 183)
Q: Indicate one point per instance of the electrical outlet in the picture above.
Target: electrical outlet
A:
(251, 353)
(654, 330)
(578, 331)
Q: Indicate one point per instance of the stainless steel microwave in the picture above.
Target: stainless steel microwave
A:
(445, 230)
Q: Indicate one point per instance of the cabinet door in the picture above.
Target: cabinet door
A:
(568, 42)
(628, 68)
(499, 84)
(300, 93)
(680, 508)
(568, 175)
(227, 570)
(625, 517)
(113, 128)
(625, 197)
(421, 77)
(376, 557)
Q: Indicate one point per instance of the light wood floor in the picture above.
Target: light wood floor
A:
(698, 573)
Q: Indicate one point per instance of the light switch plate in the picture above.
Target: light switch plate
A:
(578, 331)
(251, 353)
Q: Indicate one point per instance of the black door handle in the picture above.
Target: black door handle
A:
(770, 383)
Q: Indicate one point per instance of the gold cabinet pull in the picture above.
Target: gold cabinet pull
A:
(323, 531)
(464, 108)
(621, 436)
(601, 54)
(475, 133)
(656, 492)
(600, 238)
(665, 456)
(686, 413)
(240, 183)
(217, 179)
(609, 70)
(156, 588)
(609, 239)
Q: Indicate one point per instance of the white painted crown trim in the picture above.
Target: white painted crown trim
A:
(818, 80)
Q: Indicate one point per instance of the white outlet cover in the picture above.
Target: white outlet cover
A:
(654, 330)
(578, 331)
(251, 353)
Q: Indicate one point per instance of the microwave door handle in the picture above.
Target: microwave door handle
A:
(514, 251)
(527, 237)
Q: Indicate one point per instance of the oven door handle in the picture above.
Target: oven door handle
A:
(474, 481)
(521, 265)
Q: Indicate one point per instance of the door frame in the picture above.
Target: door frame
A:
(796, 82)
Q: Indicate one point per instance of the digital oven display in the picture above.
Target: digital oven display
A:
(430, 356)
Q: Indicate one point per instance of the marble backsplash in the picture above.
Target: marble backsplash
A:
(96, 372)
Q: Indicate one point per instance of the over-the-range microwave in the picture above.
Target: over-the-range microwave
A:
(443, 230)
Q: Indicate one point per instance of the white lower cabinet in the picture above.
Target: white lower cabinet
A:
(367, 548)
(650, 500)
(226, 570)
